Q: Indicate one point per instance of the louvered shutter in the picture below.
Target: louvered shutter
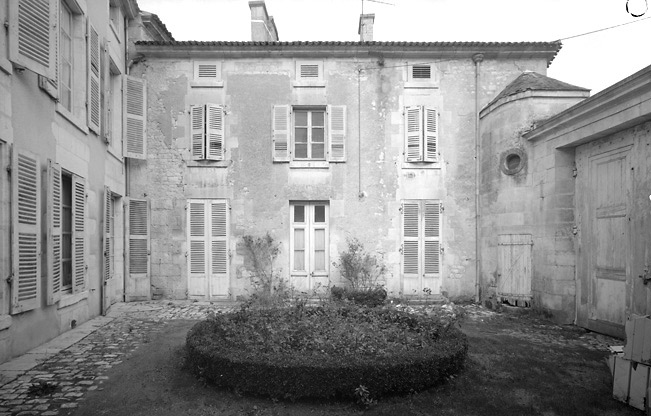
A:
(26, 232)
(214, 132)
(106, 93)
(197, 132)
(198, 247)
(414, 134)
(431, 121)
(107, 234)
(33, 32)
(78, 234)
(137, 249)
(135, 101)
(218, 248)
(337, 132)
(410, 246)
(54, 227)
(94, 96)
(432, 244)
(51, 85)
(281, 133)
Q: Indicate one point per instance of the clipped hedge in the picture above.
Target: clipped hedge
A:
(367, 297)
(295, 353)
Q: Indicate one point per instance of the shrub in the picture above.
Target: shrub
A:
(368, 297)
(269, 289)
(325, 351)
(359, 268)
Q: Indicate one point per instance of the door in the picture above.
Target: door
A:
(137, 266)
(514, 269)
(421, 247)
(309, 242)
(208, 254)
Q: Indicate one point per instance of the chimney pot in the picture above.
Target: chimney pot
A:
(365, 29)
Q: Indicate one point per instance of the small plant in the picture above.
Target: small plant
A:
(363, 397)
(269, 288)
(359, 268)
(42, 388)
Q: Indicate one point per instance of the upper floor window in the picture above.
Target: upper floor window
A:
(309, 134)
(421, 134)
(207, 73)
(207, 132)
(421, 71)
(309, 70)
(66, 48)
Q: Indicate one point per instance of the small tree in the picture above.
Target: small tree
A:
(359, 268)
(269, 288)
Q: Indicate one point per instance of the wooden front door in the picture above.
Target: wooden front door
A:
(514, 269)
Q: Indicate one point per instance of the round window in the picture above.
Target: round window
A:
(513, 161)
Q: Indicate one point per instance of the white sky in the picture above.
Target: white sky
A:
(594, 61)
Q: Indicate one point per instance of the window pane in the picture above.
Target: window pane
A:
(299, 260)
(299, 213)
(300, 135)
(319, 239)
(317, 134)
(319, 214)
(300, 118)
(317, 118)
(318, 151)
(319, 261)
(299, 239)
(299, 249)
(300, 150)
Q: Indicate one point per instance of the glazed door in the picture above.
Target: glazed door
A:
(309, 244)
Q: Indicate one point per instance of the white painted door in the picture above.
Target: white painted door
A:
(421, 247)
(309, 242)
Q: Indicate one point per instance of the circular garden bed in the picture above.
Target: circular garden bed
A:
(324, 352)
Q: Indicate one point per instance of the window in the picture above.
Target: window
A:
(207, 132)
(110, 82)
(309, 257)
(421, 76)
(117, 20)
(421, 134)
(134, 128)
(66, 48)
(309, 133)
(421, 246)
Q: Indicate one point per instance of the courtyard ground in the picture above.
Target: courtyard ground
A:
(519, 364)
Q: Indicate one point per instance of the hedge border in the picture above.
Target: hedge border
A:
(281, 377)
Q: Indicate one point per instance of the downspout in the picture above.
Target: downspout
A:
(477, 59)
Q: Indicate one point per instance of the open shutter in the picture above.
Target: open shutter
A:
(26, 235)
(337, 132)
(219, 248)
(54, 227)
(411, 247)
(413, 134)
(431, 120)
(78, 234)
(198, 132)
(33, 32)
(281, 133)
(214, 132)
(137, 249)
(198, 245)
(93, 107)
(106, 91)
(107, 233)
(135, 101)
(432, 248)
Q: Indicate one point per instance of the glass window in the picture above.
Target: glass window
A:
(309, 134)
(65, 58)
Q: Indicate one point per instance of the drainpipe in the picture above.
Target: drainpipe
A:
(477, 59)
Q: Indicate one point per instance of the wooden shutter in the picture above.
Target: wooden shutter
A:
(198, 247)
(94, 107)
(432, 244)
(214, 132)
(54, 227)
(26, 232)
(219, 248)
(78, 234)
(413, 134)
(337, 132)
(107, 233)
(137, 249)
(431, 121)
(107, 90)
(197, 132)
(32, 34)
(411, 246)
(281, 133)
(135, 102)
(51, 85)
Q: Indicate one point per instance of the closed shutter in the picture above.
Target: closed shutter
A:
(214, 132)
(54, 227)
(431, 121)
(137, 261)
(33, 33)
(26, 235)
(198, 132)
(107, 90)
(94, 95)
(413, 134)
(219, 248)
(197, 250)
(108, 234)
(135, 102)
(337, 132)
(410, 241)
(432, 244)
(78, 234)
(281, 133)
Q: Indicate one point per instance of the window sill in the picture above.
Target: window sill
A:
(72, 299)
(308, 84)
(206, 84)
(48, 88)
(208, 163)
(421, 85)
(305, 164)
(421, 165)
(71, 118)
(5, 322)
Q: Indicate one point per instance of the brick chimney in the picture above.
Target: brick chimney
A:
(263, 28)
(366, 27)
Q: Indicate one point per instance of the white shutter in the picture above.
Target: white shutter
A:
(26, 232)
(411, 247)
(105, 84)
(197, 132)
(78, 234)
(337, 132)
(431, 121)
(219, 260)
(281, 127)
(413, 134)
(197, 248)
(33, 31)
(432, 245)
(214, 132)
(135, 117)
(94, 70)
(137, 249)
(54, 227)
(107, 233)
